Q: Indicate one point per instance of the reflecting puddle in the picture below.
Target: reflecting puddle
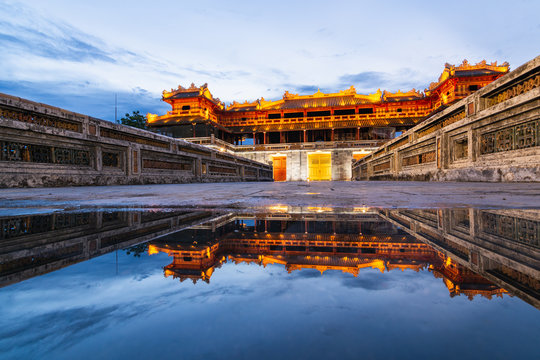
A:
(287, 282)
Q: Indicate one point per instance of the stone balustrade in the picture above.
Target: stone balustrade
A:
(500, 245)
(349, 144)
(36, 245)
(41, 145)
(492, 135)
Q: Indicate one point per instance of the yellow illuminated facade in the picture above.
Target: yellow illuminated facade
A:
(343, 122)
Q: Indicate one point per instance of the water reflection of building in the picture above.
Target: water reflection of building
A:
(475, 252)
(35, 245)
(503, 246)
(329, 242)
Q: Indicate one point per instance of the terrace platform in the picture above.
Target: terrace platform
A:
(327, 196)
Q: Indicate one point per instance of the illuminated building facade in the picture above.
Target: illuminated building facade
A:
(323, 243)
(313, 137)
(474, 252)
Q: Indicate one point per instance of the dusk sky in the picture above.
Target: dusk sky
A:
(77, 55)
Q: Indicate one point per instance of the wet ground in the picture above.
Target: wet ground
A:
(338, 194)
(291, 270)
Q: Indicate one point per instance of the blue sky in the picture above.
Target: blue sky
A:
(77, 55)
(90, 310)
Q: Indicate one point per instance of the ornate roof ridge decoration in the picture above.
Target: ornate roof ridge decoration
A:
(415, 266)
(246, 104)
(375, 97)
(450, 70)
(287, 96)
(353, 268)
(465, 65)
(204, 275)
(202, 90)
(456, 289)
(488, 294)
(151, 117)
(267, 103)
(399, 94)
(238, 259)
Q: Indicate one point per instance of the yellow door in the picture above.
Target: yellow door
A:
(320, 167)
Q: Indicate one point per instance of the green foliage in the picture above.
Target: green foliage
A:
(135, 119)
(137, 250)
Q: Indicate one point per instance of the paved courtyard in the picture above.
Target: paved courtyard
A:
(265, 194)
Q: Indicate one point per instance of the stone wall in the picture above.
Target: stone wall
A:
(492, 135)
(41, 145)
(36, 245)
(341, 153)
(500, 245)
(297, 162)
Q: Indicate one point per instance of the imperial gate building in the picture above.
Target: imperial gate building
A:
(318, 136)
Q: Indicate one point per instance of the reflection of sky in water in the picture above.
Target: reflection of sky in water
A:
(247, 311)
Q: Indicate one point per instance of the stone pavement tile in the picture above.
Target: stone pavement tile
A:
(386, 194)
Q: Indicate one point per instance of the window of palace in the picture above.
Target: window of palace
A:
(186, 107)
(318, 113)
(365, 111)
(274, 116)
(344, 112)
(461, 149)
(294, 115)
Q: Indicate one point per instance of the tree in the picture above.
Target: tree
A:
(137, 250)
(135, 119)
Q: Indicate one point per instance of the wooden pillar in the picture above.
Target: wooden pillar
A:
(305, 136)
(264, 137)
(193, 129)
(332, 135)
(254, 138)
(281, 137)
(357, 133)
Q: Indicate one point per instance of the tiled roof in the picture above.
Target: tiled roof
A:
(180, 95)
(319, 102)
(477, 72)
(347, 97)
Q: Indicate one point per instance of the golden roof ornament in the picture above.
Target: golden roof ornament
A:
(449, 70)
(399, 94)
(288, 95)
(349, 91)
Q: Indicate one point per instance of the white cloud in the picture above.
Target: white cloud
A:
(245, 50)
